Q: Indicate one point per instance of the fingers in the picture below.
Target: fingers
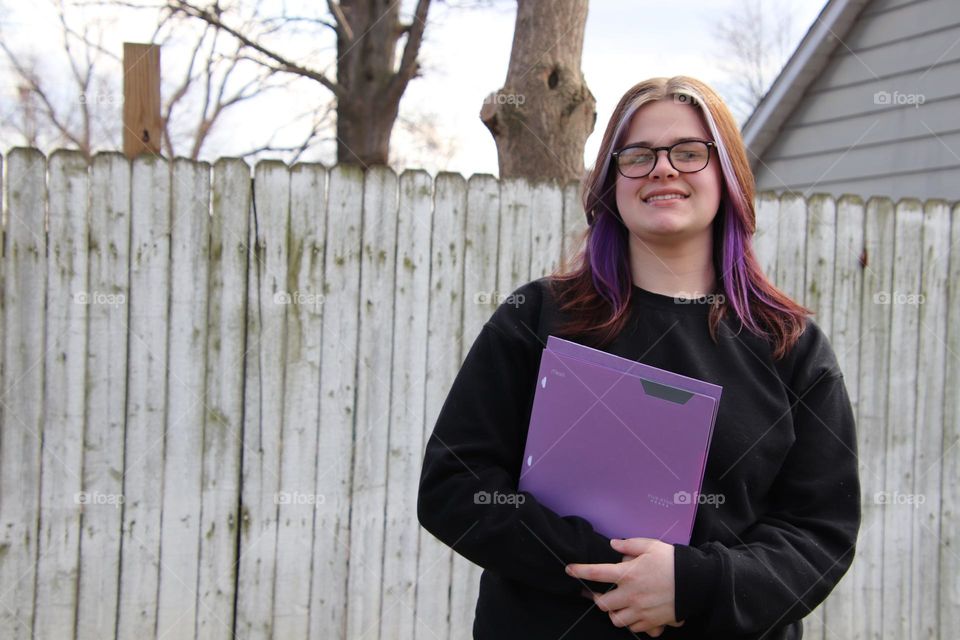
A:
(675, 624)
(633, 546)
(653, 632)
(595, 572)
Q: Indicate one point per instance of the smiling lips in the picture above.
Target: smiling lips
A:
(664, 194)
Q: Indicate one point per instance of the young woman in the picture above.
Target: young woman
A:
(667, 277)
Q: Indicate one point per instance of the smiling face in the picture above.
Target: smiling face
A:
(676, 219)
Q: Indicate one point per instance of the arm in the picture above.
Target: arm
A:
(789, 560)
(477, 446)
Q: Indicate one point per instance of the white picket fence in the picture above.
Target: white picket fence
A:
(202, 441)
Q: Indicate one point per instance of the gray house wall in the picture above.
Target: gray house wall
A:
(884, 116)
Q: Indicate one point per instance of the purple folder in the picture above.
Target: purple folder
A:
(617, 442)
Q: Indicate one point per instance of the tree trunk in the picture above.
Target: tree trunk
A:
(542, 116)
(367, 35)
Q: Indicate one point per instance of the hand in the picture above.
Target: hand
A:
(643, 599)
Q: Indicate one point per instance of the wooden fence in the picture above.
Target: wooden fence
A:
(200, 440)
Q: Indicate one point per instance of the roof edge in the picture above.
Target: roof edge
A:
(804, 66)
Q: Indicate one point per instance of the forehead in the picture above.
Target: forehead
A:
(664, 122)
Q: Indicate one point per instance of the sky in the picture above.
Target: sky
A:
(464, 55)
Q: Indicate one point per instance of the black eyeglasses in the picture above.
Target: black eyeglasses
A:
(637, 161)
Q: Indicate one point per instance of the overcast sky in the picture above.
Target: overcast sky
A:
(465, 57)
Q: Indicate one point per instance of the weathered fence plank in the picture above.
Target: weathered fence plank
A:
(61, 460)
(146, 396)
(338, 366)
(928, 439)
(304, 302)
(24, 292)
(900, 448)
(183, 453)
(263, 401)
(840, 613)
(372, 455)
(231, 257)
(106, 365)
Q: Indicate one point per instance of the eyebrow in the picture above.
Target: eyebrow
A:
(675, 141)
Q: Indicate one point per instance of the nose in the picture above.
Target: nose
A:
(662, 167)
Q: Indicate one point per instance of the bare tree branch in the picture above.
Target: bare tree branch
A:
(284, 64)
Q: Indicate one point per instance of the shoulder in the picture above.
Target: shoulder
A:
(518, 313)
(812, 358)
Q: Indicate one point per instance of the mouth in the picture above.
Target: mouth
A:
(665, 196)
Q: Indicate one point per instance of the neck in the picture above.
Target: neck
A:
(678, 269)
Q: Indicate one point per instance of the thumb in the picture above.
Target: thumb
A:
(632, 546)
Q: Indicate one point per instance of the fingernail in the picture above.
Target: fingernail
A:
(567, 569)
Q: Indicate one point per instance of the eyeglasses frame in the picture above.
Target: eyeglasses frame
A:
(656, 154)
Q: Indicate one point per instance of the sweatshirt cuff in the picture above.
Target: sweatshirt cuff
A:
(696, 575)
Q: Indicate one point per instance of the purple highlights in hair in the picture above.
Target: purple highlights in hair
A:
(607, 250)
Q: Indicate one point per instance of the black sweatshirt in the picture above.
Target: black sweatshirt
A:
(783, 455)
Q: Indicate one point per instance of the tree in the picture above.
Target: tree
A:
(540, 119)
(84, 112)
(754, 46)
(369, 82)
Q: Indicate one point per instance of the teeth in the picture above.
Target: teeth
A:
(669, 196)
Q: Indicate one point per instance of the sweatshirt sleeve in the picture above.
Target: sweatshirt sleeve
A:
(788, 561)
(468, 494)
